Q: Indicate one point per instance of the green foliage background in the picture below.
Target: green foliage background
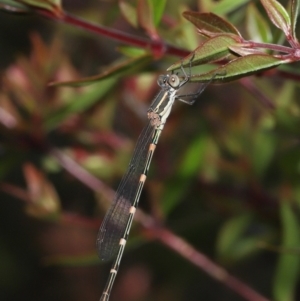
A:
(225, 176)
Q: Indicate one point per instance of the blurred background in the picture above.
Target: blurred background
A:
(224, 177)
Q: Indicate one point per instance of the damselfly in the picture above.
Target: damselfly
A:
(115, 228)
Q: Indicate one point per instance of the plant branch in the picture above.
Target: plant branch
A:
(157, 47)
(187, 251)
(81, 174)
(274, 47)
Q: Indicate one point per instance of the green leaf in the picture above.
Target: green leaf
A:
(14, 6)
(210, 24)
(287, 270)
(294, 16)
(238, 68)
(214, 49)
(289, 161)
(146, 18)
(51, 5)
(184, 33)
(226, 6)
(129, 13)
(258, 29)
(131, 51)
(231, 231)
(158, 10)
(223, 7)
(192, 160)
(232, 244)
(147, 14)
(114, 70)
(263, 150)
(278, 15)
(81, 103)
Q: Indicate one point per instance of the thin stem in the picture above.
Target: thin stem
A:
(187, 251)
(274, 47)
(81, 174)
(15, 191)
(157, 47)
(292, 41)
(289, 75)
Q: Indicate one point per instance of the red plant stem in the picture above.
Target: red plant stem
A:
(15, 191)
(157, 47)
(181, 247)
(81, 174)
(274, 47)
(289, 75)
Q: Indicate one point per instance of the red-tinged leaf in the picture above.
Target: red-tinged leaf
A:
(44, 199)
(294, 16)
(145, 18)
(257, 27)
(114, 70)
(238, 68)
(278, 15)
(210, 24)
(10, 116)
(14, 6)
(129, 13)
(212, 50)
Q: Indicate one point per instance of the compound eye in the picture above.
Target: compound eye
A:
(174, 81)
(161, 81)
